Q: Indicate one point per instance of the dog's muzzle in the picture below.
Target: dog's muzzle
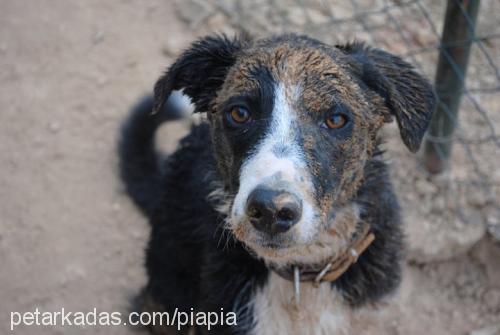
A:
(273, 211)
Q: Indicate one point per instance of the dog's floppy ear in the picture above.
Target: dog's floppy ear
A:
(408, 95)
(199, 71)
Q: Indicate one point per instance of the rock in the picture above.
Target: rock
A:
(440, 240)
(487, 253)
(492, 300)
(490, 330)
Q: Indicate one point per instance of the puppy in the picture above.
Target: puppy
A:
(278, 208)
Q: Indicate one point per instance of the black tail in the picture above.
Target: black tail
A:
(139, 163)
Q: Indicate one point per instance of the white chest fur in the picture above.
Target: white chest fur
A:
(321, 310)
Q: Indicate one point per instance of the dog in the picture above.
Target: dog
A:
(278, 207)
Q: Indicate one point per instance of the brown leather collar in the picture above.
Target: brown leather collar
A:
(335, 267)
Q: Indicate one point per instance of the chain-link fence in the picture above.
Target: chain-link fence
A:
(466, 193)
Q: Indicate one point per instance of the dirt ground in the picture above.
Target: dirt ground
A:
(69, 237)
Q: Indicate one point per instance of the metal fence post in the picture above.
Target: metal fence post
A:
(456, 40)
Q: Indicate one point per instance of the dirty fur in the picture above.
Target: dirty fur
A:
(203, 254)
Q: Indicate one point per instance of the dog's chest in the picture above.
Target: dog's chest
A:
(321, 310)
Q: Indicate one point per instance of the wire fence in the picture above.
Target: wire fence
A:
(412, 29)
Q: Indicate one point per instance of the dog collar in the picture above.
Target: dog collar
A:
(335, 268)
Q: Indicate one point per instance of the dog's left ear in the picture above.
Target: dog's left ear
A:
(199, 71)
(408, 95)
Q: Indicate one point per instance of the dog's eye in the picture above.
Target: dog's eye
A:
(336, 121)
(239, 115)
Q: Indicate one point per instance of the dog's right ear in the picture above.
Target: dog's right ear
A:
(200, 70)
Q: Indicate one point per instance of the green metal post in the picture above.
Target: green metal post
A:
(456, 40)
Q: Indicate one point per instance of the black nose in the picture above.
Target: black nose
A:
(273, 211)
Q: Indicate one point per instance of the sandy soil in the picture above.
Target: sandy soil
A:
(69, 237)
(70, 71)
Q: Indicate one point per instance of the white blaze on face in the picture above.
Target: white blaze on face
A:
(266, 167)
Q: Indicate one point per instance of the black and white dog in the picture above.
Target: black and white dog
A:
(279, 208)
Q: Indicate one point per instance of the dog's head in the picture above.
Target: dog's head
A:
(294, 122)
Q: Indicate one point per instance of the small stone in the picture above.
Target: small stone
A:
(297, 16)
(462, 280)
(477, 199)
(425, 187)
(219, 22)
(136, 233)
(494, 231)
(131, 63)
(493, 220)
(439, 203)
(172, 47)
(98, 37)
(420, 37)
(102, 80)
(151, 7)
(496, 176)
(116, 206)
(493, 225)
(54, 127)
(318, 17)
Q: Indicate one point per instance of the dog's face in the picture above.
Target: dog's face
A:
(293, 123)
(291, 141)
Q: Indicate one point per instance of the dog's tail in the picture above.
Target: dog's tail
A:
(139, 162)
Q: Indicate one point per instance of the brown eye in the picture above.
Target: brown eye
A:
(239, 115)
(336, 121)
